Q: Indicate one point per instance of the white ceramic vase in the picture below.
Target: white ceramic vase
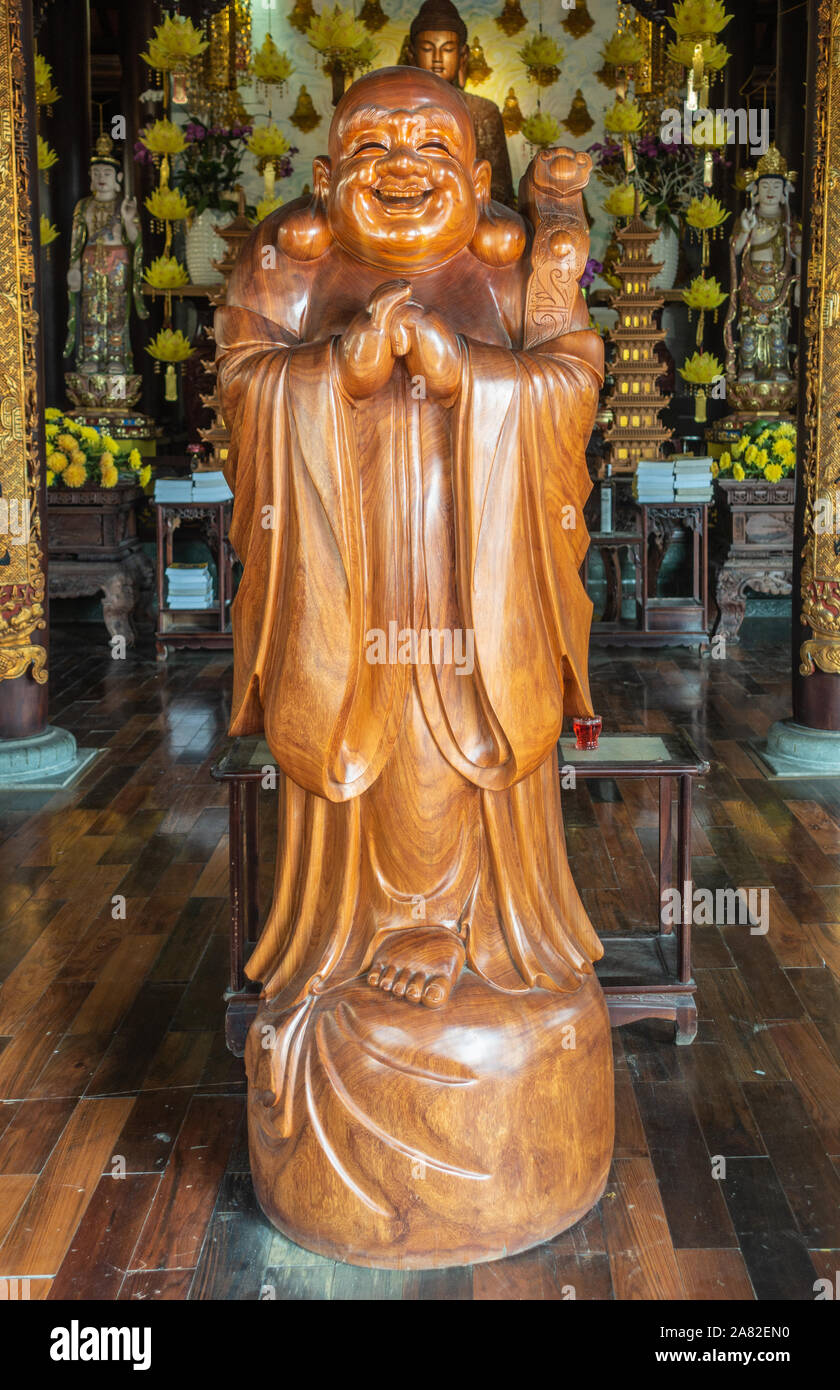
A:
(666, 248)
(204, 246)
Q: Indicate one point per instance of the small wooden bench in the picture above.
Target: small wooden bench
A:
(643, 975)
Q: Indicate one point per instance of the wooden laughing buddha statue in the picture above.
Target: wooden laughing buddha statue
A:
(410, 383)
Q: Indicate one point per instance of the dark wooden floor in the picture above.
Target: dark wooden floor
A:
(123, 1163)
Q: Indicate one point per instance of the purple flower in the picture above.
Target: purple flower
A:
(141, 154)
(591, 269)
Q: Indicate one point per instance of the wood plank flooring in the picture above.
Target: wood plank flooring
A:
(123, 1158)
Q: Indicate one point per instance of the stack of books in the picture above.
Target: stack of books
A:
(653, 480)
(173, 489)
(189, 586)
(210, 486)
(692, 479)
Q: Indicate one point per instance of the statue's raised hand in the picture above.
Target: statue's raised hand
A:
(429, 347)
(364, 354)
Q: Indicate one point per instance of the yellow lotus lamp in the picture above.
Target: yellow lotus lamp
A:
(695, 23)
(170, 347)
(541, 130)
(700, 370)
(266, 206)
(622, 201)
(272, 68)
(268, 144)
(543, 58)
(163, 138)
(175, 43)
(45, 92)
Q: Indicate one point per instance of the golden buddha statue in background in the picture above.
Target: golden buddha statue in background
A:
(757, 331)
(104, 277)
(438, 43)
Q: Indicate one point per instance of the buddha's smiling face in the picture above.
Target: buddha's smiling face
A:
(402, 184)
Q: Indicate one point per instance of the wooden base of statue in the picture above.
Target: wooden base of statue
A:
(423, 1137)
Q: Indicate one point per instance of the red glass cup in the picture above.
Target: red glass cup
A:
(587, 727)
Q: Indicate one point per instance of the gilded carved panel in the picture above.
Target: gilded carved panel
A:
(21, 554)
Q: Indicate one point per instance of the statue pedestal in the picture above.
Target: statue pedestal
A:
(44, 762)
(417, 1138)
(794, 750)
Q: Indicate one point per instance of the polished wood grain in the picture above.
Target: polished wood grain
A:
(415, 360)
(752, 1082)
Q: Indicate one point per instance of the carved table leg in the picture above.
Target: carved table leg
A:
(612, 570)
(731, 604)
(118, 599)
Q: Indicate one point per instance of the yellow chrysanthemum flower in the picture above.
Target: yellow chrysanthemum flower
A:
(738, 473)
(163, 137)
(135, 459)
(168, 205)
(166, 272)
(623, 118)
(786, 430)
(773, 472)
(111, 444)
(762, 458)
(739, 446)
(51, 430)
(89, 434)
(106, 460)
(52, 413)
(50, 477)
(58, 461)
(782, 446)
(110, 476)
(75, 475)
(78, 458)
(715, 468)
(751, 454)
(623, 50)
(725, 461)
(145, 474)
(66, 441)
(169, 346)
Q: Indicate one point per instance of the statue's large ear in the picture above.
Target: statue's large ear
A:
(499, 237)
(463, 61)
(305, 234)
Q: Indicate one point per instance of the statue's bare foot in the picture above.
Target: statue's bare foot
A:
(420, 964)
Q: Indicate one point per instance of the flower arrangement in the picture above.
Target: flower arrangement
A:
(762, 450)
(541, 129)
(668, 177)
(78, 454)
(542, 57)
(209, 163)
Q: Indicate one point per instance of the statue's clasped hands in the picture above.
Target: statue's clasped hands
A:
(394, 325)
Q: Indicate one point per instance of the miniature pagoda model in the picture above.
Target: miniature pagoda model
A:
(636, 430)
(234, 234)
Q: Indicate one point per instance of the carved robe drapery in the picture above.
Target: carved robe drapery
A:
(351, 516)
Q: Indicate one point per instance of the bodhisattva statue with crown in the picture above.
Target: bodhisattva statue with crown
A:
(757, 331)
(438, 42)
(105, 275)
